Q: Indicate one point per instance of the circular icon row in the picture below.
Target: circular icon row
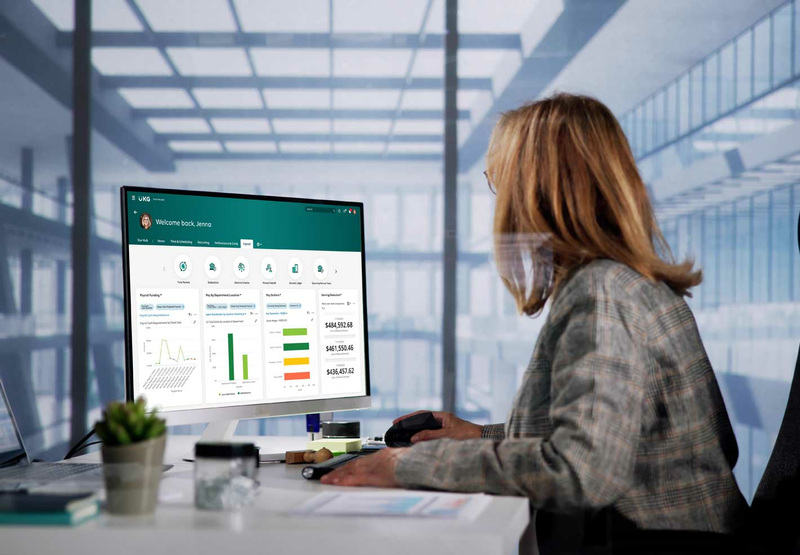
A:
(241, 267)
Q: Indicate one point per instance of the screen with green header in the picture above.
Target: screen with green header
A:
(239, 300)
(209, 221)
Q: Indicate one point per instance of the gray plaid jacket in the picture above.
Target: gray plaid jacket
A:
(619, 408)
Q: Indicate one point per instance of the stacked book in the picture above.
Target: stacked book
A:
(18, 508)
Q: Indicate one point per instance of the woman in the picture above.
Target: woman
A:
(619, 409)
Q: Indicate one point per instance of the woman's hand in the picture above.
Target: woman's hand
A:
(452, 428)
(376, 470)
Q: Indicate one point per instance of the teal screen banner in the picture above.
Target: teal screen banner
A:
(226, 222)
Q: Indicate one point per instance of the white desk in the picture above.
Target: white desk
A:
(177, 527)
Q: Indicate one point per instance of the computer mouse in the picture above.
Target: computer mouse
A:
(400, 434)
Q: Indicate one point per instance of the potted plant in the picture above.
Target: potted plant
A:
(133, 456)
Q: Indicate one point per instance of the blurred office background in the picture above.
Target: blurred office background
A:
(345, 99)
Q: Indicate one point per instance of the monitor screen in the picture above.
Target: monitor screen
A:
(242, 300)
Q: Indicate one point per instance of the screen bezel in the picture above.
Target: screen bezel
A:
(257, 410)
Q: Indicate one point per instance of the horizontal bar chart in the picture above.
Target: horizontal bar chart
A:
(295, 346)
(297, 376)
(287, 332)
(298, 361)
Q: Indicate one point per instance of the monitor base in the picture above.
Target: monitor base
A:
(220, 430)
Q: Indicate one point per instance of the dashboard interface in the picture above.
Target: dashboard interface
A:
(243, 300)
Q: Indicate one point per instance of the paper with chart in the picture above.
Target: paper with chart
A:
(396, 504)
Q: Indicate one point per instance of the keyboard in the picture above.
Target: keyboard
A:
(47, 472)
(317, 471)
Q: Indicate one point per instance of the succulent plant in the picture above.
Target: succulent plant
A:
(126, 423)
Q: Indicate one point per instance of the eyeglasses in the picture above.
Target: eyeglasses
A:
(489, 182)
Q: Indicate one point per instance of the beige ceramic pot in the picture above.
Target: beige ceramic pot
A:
(132, 475)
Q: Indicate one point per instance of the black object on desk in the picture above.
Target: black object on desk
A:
(341, 429)
(317, 471)
(400, 434)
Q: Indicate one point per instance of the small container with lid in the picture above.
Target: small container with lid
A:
(341, 429)
(224, 476)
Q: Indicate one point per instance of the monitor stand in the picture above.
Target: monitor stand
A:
(219, 430)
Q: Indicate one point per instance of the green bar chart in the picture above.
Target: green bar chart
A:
(295, 346)
(234, 370)
(289, 332)
(230, 357)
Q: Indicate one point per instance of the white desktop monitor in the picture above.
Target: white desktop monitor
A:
(240, 306)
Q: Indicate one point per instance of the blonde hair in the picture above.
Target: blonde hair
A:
(564, 172)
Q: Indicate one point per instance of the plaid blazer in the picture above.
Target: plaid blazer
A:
(618, 409)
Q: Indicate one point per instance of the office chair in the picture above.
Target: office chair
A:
(775, 511)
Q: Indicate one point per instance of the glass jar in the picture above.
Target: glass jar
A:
(224, 476)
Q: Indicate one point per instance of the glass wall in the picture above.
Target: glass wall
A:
(344, 99)
(324, 100)
(494, 342)
(35, 203)
(716, 144)
(737, 216)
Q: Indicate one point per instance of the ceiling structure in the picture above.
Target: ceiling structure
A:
(266, 82)
(734, 133)
(317, 79)
(636, 52)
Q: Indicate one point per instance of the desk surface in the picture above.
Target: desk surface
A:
(177, 527)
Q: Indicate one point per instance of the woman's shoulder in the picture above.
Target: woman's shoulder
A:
(614, 292)
(608, 279)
